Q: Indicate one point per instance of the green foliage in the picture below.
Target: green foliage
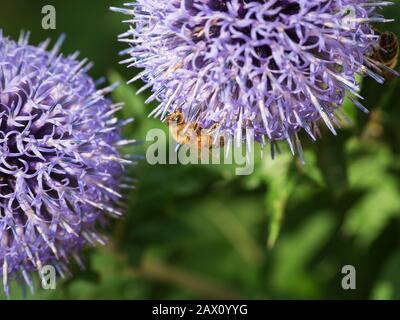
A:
(283, 232)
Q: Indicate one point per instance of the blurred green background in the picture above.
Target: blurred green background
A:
(285, 231)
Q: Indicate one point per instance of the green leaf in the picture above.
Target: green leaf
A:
(388, 283)
(381, 198)
(296, 250)
(280, 184)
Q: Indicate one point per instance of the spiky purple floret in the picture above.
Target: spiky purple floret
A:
(59, 163)
(275, 66)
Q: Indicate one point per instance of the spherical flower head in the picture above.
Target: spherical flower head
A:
(59, 164)
(272, 66)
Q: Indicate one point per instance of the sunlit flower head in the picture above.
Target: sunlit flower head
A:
(273, 66)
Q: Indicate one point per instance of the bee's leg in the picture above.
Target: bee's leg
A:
(210, 142)
(196, 128)
(200, 147)
(222, 142)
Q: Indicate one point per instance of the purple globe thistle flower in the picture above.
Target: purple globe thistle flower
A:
(59, 164)
(273, 66)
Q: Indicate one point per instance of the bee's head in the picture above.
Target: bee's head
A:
(176, 117)
(387, 38)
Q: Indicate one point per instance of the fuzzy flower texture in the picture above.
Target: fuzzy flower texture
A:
(59, 163)
(273, 66)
